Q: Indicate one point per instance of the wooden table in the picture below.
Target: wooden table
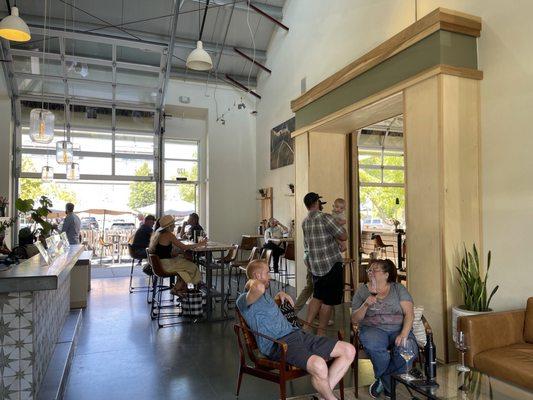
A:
(208, 250)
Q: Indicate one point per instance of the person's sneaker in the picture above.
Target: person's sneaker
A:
(375, 389)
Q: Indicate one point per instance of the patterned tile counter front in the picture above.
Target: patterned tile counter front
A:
(30, 324)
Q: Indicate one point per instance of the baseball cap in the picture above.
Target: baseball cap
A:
(311, 197)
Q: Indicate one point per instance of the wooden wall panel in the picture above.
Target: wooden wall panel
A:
(301, 165)
(424, 204)
(462, 221)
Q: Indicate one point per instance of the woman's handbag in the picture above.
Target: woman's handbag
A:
(192, 303)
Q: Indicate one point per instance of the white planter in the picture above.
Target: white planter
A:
(459, 311)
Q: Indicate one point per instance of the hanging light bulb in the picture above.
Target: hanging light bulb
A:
(41, 125)
(64, 152)
(73, 171)
(47, 174)
(14, 28)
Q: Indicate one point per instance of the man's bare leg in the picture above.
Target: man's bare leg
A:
(318, 369)
(323, 318)
(312, 310)
(344, 353)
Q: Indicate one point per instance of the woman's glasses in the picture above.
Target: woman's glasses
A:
(373, 270)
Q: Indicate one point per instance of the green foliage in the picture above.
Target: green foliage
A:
(473, 284)
(38, 215)
(142, 194)
(188, 192)
(34, 188)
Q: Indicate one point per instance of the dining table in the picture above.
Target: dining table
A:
(207, 251)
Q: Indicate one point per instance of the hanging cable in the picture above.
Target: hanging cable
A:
(203, 20)
(253, 42)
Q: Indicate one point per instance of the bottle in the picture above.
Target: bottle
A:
(431, 359)
(195, 236)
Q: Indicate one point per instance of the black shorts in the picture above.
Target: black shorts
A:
(330, 287)
(302, 345)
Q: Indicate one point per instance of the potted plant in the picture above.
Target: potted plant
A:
(473, 287)
(38, 215)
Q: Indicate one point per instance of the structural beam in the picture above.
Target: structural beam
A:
(241, 86)
(274, 11)
(268, 16)
(252, 60)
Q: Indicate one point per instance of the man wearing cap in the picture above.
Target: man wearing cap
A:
(324, 260)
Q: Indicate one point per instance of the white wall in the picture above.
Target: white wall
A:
(5, 138)
(324, 39)
(230, 159)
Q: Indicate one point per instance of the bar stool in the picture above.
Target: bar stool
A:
(134, 258)
(349, 286)
(158, 287)
(380, 246)
(228, 259)
(284, 271)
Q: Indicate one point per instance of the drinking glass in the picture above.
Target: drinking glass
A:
(462, 347)
(407, 354)
(374, 292)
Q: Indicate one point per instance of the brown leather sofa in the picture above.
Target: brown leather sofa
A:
(501, 344)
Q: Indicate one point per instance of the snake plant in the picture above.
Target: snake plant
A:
(473, 283)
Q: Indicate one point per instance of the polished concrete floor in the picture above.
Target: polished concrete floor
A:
(121, 353)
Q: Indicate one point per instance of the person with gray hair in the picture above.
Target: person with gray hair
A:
(71, 225)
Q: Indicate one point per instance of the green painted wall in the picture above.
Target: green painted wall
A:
(442, 47)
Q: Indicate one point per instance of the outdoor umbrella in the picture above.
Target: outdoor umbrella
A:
(104, 212)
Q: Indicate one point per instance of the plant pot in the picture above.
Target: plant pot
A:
(461, 311)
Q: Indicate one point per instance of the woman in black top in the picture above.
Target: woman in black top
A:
(161, 244)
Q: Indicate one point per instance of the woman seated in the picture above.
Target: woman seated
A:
(191, 225)
(161, 244)
(275, 231)
(384, 311)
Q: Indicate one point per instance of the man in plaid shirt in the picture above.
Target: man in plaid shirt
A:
(324, 260)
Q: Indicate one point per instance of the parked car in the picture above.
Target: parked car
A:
(89, 223)
(374, 223)
(122, 226)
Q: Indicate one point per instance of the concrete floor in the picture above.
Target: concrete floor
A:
(121, 353)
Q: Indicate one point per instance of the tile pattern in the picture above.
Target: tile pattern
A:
(30, 323)
(50, 310)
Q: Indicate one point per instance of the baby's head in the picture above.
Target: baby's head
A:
(339, 205)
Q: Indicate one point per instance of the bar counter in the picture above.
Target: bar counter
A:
(34, 304)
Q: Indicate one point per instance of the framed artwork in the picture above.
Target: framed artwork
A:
(65, 241)
(282, 145)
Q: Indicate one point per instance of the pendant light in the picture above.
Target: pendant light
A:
(41, 125)
(41, 120)
(47, 174)
(199, 59)
(65, 148)
(73, 171)
(14, 28)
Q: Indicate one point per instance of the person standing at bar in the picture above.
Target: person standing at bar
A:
(321, 233)
(71, 225)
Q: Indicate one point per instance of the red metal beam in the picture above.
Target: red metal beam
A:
(270, 17)
(252, 60)
(240, 85)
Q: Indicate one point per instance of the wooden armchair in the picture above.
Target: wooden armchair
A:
(262, 367)
(360, 353)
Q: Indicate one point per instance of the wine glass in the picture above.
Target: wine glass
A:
(374, 292)
(407, 353)
(461, 346)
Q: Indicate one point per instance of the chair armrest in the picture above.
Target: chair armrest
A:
(490, 331)
(339, 332)
(427, 327)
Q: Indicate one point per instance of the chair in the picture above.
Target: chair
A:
(228, 259)
(104, 246)
(284, 267)
(266, 254)
(240, 266)
(381, 247)
(361, 354)
(134, 258)
(350, 285)
(158, 287)
(262, 367)
(247, 244)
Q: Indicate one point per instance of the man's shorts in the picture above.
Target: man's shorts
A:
(330, 287)
(302, 345)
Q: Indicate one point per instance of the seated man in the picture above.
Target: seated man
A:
(141, 240)
(304, 350)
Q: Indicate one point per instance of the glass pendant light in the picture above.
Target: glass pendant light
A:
(64, 152)
(47, 174)
(41, 125)
(73, 171)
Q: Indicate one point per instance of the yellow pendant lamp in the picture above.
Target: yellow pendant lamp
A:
(14, 28)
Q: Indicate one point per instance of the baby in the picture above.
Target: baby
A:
(338, 213)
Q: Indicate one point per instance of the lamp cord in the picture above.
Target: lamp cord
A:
(203, 21)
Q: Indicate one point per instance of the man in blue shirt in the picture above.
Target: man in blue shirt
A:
(304, 350)
(71, 225)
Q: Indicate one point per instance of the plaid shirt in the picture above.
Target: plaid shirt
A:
(322, 250)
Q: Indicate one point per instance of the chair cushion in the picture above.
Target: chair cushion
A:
(418, 326)
(512, 363)
(528, 323)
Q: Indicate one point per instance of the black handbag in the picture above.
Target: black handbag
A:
(147, 269)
